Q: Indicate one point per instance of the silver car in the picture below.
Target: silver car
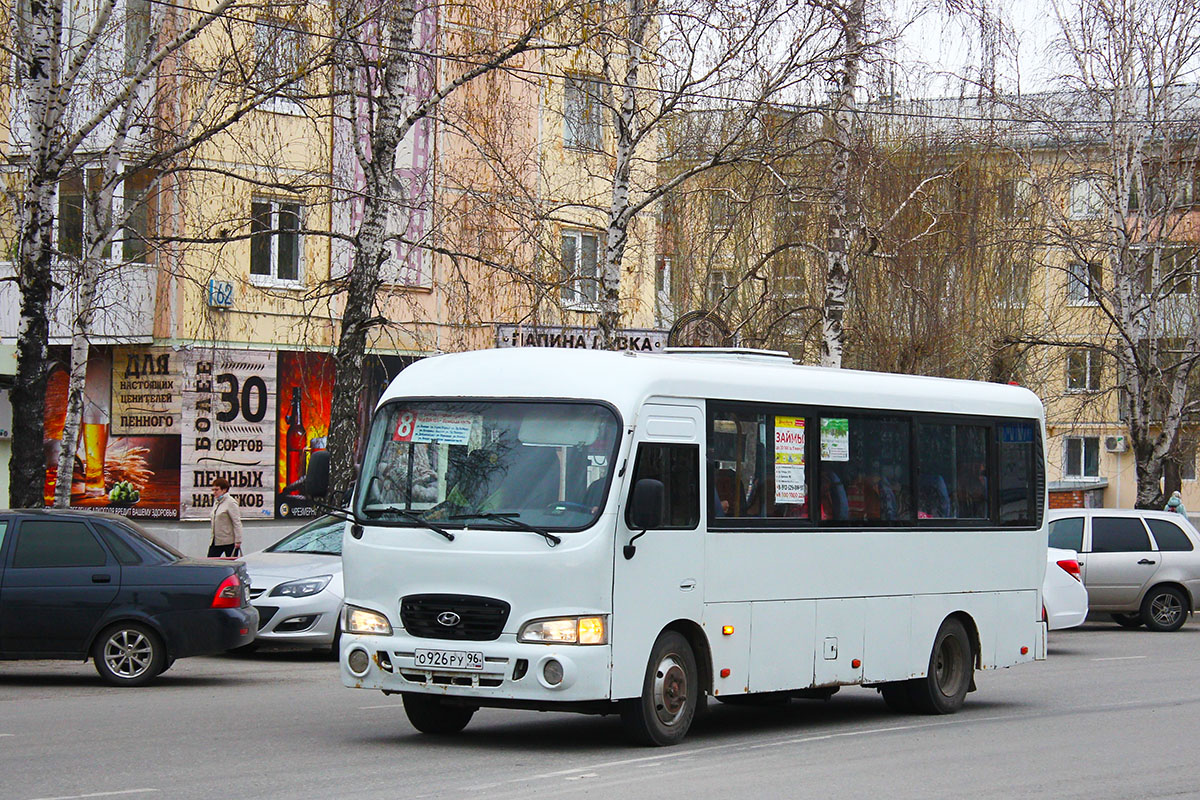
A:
(1142, 567)
(296, 585)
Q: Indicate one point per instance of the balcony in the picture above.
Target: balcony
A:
(124, 307)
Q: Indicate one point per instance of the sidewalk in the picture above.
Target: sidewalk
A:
(192, 537)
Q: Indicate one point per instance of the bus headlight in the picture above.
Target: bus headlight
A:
(565, 630)
(361, 620)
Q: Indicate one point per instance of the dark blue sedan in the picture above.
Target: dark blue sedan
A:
(75, 585)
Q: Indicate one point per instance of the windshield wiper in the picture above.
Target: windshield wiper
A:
(417, 518)
(511, 518)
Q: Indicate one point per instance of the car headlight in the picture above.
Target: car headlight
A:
(302, 588)
(566, 630)
(361, 620)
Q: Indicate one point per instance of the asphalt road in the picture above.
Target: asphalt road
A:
(1111, 714)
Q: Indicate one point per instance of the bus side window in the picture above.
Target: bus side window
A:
(678, 467)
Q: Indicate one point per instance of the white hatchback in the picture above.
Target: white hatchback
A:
(1063, 595)
(1142, 567)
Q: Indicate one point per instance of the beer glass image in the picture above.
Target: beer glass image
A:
(95, 424)
(95, 444)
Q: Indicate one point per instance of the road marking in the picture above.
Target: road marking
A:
(372, 708)
(1120, 658)
(98, 794)
(2, 735)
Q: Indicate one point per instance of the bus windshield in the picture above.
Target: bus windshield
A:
(488, 464)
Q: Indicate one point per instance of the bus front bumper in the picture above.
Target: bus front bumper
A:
(510, 670)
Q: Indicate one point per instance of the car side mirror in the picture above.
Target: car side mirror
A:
(316, 478)
(645, 510)
(646, 507)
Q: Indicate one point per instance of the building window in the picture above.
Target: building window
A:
(1082, 457)
(722, 210)
(580, 268)
(662, 275)
(581, 113)
(282, 58)
(1083, 283)
(1014, 279)
(1187, 460)
(137, 32)
(1177, 265)
(1086, 200)
(132, 210)
(717, 289)
(1083, 370)
(275, 240)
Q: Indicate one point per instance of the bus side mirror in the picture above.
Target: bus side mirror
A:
(646, 508)
(316, 479)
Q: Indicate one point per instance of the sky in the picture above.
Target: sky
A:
(950, 46)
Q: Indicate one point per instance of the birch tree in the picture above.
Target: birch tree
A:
(844, 224)
(61, 110)
(685, 88)
(1119, 188)
(379, 50)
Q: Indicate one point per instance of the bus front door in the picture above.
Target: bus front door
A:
(660, 584)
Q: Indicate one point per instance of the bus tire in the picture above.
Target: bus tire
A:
(898, 696)
(670, 694)
(430, 715)
(951, 668)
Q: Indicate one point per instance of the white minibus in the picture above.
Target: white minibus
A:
(636, 533)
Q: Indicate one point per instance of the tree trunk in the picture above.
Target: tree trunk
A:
(27, 467)
(842, 210)
(619, 216)
(372, 248)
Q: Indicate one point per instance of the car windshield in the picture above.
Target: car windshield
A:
(323, 536)
(455, 464)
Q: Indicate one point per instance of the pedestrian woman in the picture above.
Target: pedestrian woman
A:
(1175, 504)
(226, 522)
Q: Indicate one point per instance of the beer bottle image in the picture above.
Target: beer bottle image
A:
(297, 440)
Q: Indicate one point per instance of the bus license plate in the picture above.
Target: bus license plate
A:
(449, 659)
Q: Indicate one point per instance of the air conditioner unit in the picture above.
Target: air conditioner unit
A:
(1115, 444)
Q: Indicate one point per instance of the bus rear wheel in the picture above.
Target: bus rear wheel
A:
(670, 694)
(951, 666)
(430, 715)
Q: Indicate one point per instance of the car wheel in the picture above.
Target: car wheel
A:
(1127, 620)
(129, 654)
(1164, 609)
(430, 715)
(335, 647)
(670, 694)
(951, 665)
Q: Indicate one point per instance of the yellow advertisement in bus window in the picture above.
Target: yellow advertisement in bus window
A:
(789, 440)
(790, 486)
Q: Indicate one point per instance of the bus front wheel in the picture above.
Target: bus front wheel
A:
(670, 694)
(430, 715)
